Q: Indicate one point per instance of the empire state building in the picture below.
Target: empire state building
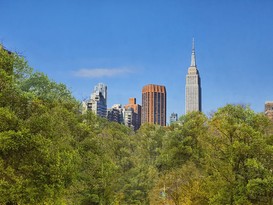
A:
(193, 86)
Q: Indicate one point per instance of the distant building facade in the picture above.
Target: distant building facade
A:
(269, 109)
(154, 98)
(136, 115)
(193, 100)
(129, 118)
(115, 114)
(173, 118)
(98, 100)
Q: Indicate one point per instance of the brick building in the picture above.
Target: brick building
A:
(154, 99)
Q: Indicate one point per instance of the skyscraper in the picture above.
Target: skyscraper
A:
(98, 100)
(154, 104)
(193, 86)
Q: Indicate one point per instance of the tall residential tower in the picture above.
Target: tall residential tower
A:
(193, 86)
(154, 104)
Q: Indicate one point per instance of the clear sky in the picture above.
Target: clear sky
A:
(127, 44)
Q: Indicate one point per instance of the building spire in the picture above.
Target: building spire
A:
(193, 61)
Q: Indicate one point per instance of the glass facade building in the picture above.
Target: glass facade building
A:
(98, 100)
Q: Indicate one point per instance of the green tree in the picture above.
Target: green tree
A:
(180, 186)
(37, 159)
(238, 157)
(181, 142)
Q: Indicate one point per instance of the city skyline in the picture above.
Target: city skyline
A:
(123, 44)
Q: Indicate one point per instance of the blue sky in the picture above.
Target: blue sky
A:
(127, 44)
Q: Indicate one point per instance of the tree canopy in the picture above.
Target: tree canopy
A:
(52, 154)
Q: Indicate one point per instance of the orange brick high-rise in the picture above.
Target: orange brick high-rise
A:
(154, 104)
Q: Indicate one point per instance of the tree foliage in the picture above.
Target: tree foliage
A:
(51, 154)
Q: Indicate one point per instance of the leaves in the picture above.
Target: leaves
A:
(51, 154)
